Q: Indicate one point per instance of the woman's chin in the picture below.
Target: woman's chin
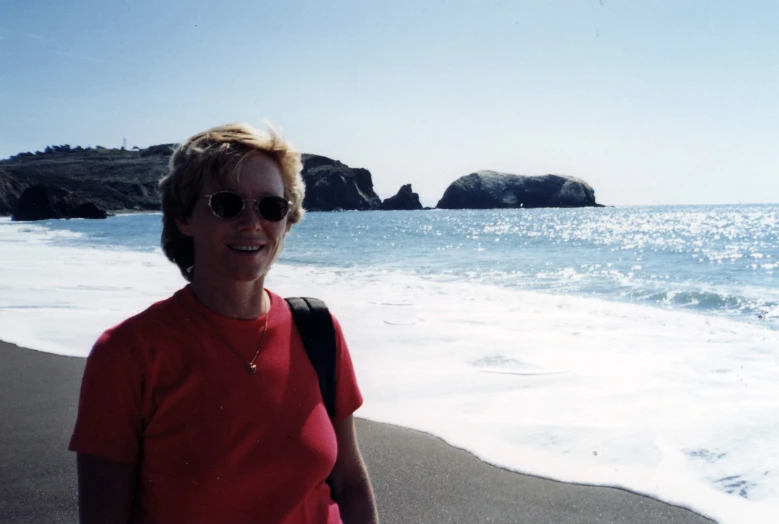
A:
(249, 275)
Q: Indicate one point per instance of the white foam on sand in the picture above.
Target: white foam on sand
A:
(678, 406)
(60, 299)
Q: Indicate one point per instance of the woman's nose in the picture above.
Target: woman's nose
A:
(250, 217)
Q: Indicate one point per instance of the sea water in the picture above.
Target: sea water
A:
(633, 347)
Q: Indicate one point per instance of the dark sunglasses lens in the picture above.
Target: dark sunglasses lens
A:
(226, 205)
(273, 208)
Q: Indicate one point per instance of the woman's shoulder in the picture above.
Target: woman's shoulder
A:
(159, 317)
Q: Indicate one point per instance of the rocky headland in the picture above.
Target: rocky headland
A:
(110, 179)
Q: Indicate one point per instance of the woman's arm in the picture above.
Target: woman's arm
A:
(105, 490)
(351, 485)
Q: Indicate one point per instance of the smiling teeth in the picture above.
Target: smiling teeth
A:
(246, 248)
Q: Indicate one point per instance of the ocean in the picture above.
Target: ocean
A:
(629, 346)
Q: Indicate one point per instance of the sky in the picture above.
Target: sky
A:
(651, 102)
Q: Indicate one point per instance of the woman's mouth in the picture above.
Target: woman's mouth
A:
(245, 248)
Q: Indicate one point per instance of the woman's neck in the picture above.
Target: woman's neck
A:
(239, 300)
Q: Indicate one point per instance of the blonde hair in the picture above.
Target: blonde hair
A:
(219, 154)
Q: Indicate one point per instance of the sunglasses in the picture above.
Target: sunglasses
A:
(228, 204)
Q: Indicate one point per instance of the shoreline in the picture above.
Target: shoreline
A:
(417, 477)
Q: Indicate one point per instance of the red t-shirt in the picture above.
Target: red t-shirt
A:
(213, 443)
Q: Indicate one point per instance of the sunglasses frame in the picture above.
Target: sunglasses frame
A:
(255, 203)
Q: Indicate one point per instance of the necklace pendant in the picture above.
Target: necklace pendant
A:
(251, 368)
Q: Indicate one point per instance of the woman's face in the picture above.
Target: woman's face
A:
(218, 241)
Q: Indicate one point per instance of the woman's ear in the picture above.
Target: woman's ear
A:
(185, 225)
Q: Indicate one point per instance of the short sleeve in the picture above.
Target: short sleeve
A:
(109, 421)
(348, 396)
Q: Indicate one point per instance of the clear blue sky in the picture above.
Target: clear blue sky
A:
(651, 102)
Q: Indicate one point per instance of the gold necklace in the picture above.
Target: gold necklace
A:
(251, 367)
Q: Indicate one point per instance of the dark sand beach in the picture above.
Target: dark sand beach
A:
(417, 478)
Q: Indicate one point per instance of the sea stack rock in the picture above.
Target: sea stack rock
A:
(404, 200)
(332, 185)
(88, 210)
(491, 190)
(44, 203)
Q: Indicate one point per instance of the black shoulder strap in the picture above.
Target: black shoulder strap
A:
(316, 329)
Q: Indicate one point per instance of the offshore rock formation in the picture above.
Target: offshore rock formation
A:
(119, 179)
(491, 190)
(404, 200)
(334, 186)
(44, 203)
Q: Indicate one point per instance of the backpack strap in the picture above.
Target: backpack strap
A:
(316, 329)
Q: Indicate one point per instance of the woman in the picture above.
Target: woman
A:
(204, 408)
